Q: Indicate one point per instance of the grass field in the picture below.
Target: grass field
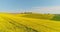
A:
(29, 23)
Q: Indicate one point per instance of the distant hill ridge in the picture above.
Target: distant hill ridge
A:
(42, 16)
(35, 15)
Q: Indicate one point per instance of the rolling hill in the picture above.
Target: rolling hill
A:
(29, 22)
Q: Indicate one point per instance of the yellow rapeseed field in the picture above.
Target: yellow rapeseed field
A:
(17, 23)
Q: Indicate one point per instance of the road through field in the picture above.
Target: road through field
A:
(12, 23)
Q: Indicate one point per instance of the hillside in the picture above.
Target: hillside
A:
(28, 23)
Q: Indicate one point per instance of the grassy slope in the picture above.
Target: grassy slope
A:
(38, 16)
(23, 23)
(56, 17)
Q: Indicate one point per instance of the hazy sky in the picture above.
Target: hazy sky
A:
(43, 6)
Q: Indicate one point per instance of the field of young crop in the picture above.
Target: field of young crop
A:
(28, 23)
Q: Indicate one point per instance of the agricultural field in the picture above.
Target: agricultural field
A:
(29, 22)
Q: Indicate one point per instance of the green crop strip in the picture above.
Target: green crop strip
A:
(56, 18)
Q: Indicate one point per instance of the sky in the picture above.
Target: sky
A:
(40, 6)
